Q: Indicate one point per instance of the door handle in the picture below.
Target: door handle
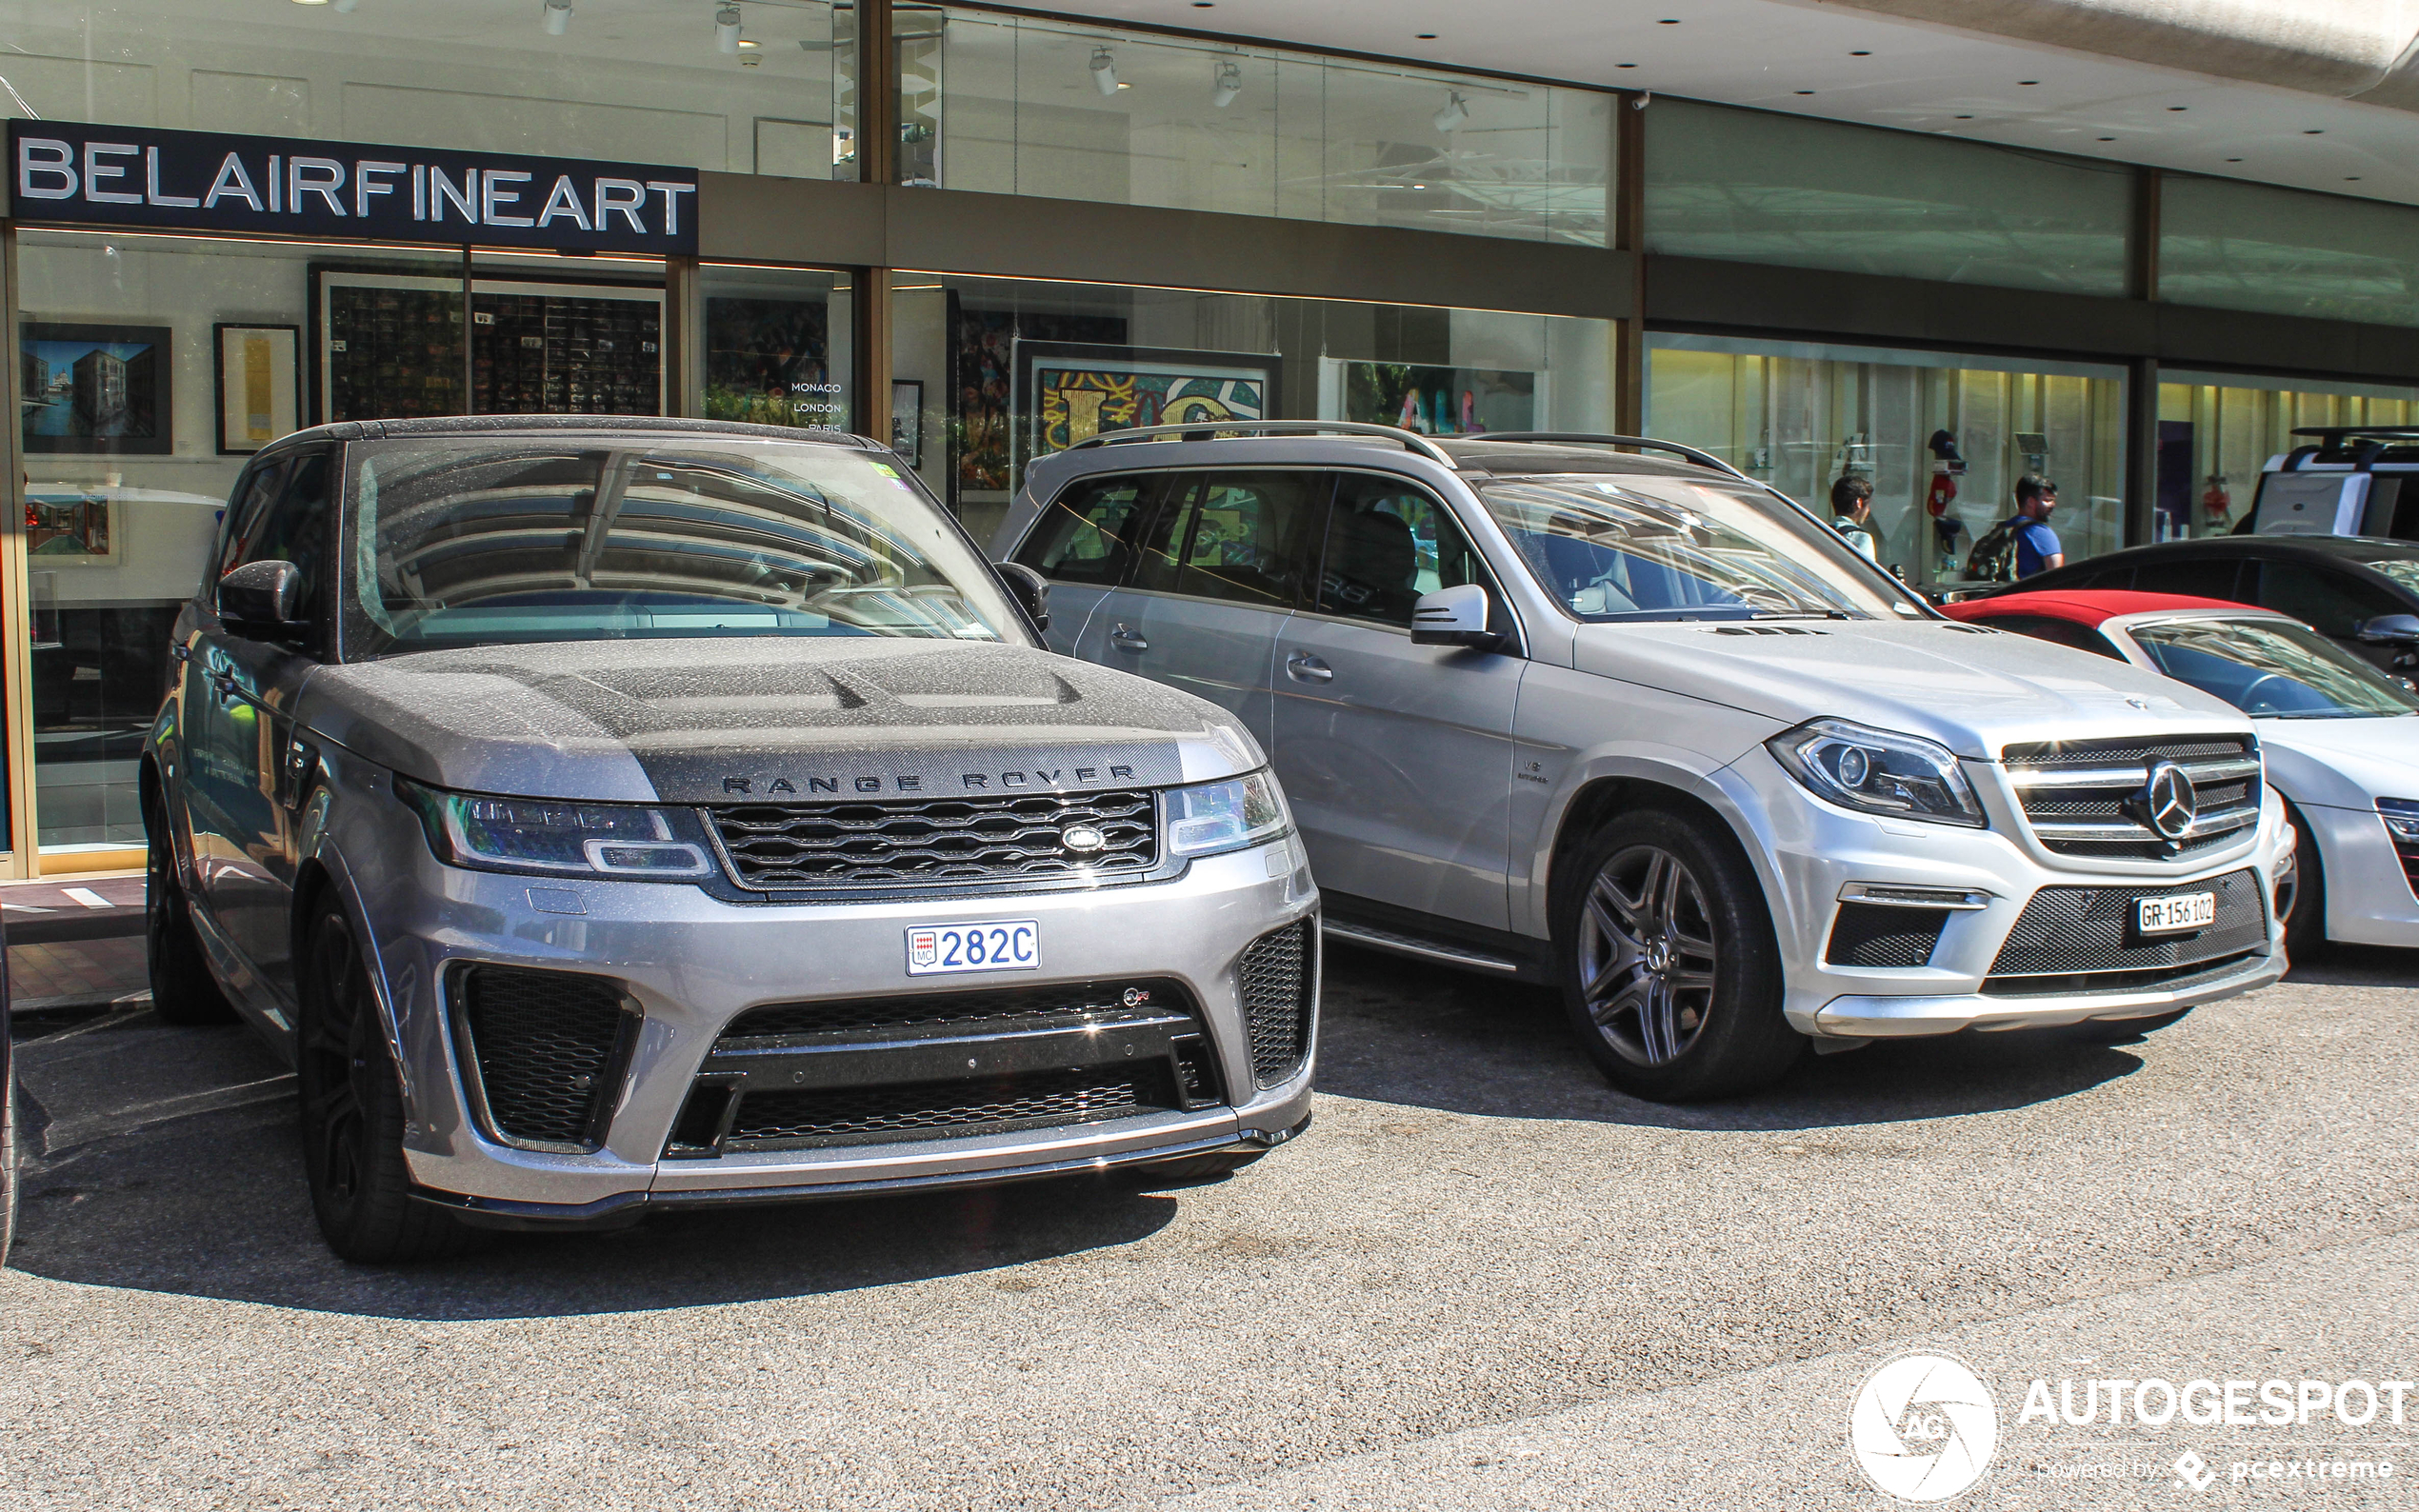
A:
(1128, 639)
(1304, 667)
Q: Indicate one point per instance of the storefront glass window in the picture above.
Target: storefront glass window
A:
(1017, 104)
(2242, 246)
(1759, 187)
(993, 372)
(628, 80)
(774, 347)
(2218, 431)
(153, 366)
(1926, 428)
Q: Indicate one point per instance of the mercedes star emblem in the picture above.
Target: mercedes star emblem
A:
(2169, 802)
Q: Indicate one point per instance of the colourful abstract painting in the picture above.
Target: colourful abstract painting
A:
(1074, 393)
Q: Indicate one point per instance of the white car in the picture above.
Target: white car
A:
(2342, 737)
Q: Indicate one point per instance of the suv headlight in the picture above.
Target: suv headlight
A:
(1877, 773)
(1229, 815)
(2401, 819)
(554, 838)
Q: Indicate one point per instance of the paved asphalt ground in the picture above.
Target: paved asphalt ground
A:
(1481, 1280)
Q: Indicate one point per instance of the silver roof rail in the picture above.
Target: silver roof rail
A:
(1703, 459)
(1205, 429)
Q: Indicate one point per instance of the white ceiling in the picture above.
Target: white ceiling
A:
(1917, 77)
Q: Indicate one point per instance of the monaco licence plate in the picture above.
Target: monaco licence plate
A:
(1000, 945)
(2192, 911)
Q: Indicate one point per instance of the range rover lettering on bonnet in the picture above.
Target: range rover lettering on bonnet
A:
(913, 782)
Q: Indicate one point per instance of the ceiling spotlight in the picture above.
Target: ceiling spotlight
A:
(1226, 82)
(1454, 115)
(310, 2)
(1104, 71)
(726, 22)
(557, 17)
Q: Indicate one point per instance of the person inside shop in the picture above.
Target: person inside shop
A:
(1852, 511)
(2037, 549)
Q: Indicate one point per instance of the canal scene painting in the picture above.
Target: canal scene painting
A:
(94, 389)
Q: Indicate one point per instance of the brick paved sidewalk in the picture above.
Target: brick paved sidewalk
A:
(75, 972)
(75, 941)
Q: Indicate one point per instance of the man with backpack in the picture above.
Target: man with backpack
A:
(1853, 513)
(2022, 544)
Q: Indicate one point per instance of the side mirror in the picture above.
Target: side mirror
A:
(1455, 616)
(1029, 588)
(2390, 630)
(261, 600)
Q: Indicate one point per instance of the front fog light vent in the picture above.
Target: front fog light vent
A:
(1887, 938)
(548, 1050)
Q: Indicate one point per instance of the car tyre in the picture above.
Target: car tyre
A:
(183, 991)
(352, 1113)
(1671, 973)
(1188, 1170)
(2305, 920)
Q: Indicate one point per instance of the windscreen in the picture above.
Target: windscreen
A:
(2271, 669)
(2404, 570)
(478, 540)
(1637, 548)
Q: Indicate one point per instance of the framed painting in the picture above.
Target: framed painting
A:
(259, 379)
(1068, 392)
(907, 419)
(96, 388)
(1437, 401)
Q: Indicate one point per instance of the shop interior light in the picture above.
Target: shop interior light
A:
(310, 2)
(557, 17)
(1455, 113)
(1226, 83)
(1103, 69)
(727, 29)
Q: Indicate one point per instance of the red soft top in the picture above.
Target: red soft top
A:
(2083, 605)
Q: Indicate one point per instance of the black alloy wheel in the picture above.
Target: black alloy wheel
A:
(1671, 976)
(183, 991)
(352, 1114)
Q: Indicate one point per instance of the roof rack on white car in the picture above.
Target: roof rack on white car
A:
(1703, 459)
(1204, 430)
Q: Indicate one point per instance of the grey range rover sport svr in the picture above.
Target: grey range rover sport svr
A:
(605, 815)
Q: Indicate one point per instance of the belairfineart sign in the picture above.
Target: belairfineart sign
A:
(66, 173)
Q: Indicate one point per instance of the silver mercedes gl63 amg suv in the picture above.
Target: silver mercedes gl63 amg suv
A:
(1638, 725)
(607, 815)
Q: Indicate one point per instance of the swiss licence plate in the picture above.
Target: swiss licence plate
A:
(1000, 945)
(2192, 911)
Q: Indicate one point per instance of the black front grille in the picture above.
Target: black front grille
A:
(2086, 939)
(1870, 934)
(548, 1047)
(2085, 798)
(1020, 1006)
(937, 1109)
(1277, 977)
(939, 841)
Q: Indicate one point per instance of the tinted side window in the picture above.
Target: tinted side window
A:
(293, 528)
(2114, 578)
(251, 495)
(1243, 537)
(2334, 603)
(2064, 633)
(2201, 579)
(1090, 532)
(1389, 542)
